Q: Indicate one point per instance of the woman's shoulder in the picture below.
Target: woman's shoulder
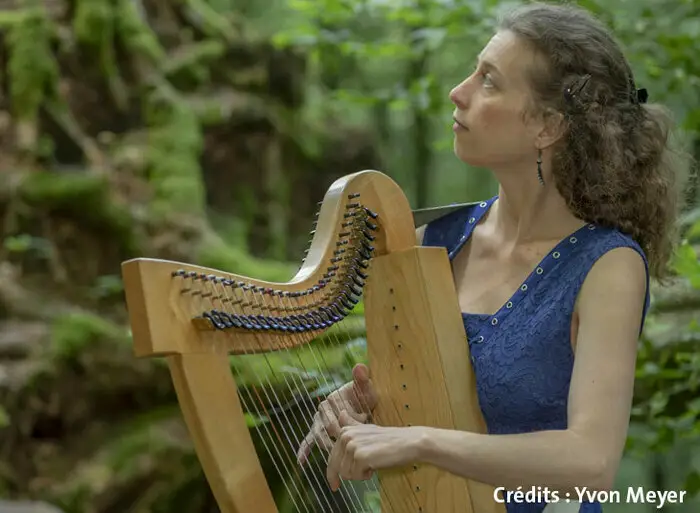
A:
(450, 223)
(613, 260)
(606, 239)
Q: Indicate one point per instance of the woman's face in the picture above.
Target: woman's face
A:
(492, 130)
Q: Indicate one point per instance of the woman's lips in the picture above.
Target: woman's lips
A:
(457, 125)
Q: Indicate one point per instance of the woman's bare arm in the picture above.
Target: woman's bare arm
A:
(588, 453)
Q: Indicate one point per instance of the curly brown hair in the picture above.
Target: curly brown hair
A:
(615, 165)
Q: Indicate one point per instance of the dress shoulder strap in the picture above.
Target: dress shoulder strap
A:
(424, 216)
(453, 228)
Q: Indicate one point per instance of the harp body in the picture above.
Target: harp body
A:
(364, 243)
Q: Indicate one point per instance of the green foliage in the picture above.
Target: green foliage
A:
(85, 196)
(373, 501)
(209, 18)
(104, 24)
(395, 62)
(25, 244)
(687, 263)
(663, 49)
(93, 24)
(137, 37)
(195, 59)
(390, 65)
(217, 254)
(386, 38)
(108, 286)
(74, 333)
(671, 374)
(139, 452)
(386, 65)
(29, 40)
(175, 143)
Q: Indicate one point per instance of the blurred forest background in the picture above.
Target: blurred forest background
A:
(206, 131)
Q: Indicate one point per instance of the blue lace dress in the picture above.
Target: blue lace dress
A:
(522, 355)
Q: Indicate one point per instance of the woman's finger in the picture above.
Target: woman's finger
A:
(321, 438)
(329, 419)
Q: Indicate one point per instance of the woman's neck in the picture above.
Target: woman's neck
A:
(529, 212)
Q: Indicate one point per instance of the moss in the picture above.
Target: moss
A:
(136, 35)
(135, 438)
(194, 54)
(84, 196)
(74, 332)
(210, 20)
(64, 189)
(175, 144)
(93, 21)
(29, 41)
(93, 25)
(133, 451)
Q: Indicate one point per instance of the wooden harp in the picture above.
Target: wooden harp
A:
(364, 246)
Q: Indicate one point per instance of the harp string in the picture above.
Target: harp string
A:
(358, 265)
(287, 462)
(348, 239)
(356, 233)
(307, 400)
(342, 283)
(321, 303)
(337, 343)
(301, 392)
(334, 334)
(254, 402)
(282, 434)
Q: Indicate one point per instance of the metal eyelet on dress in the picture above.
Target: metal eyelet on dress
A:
(556, 254)
(471, 220)
(479, 339)
(524, 287)
(509, 304)
(482, 204)
(539, 270)
(591, 227)
(573, 240)
(494, 321)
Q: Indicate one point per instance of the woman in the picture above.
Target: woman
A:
(552, 274)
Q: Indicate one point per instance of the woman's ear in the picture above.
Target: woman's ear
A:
(554, 126)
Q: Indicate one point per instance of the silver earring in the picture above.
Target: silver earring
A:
(539, 167)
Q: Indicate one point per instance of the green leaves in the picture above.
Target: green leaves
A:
(33, 71)
(687, 263)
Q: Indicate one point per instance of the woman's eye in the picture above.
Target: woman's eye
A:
(486, 79)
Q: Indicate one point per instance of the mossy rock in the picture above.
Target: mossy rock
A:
(82, 195)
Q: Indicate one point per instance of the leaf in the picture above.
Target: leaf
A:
(658, 402)
(687, 264)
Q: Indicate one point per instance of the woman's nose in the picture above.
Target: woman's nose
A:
(458, 95)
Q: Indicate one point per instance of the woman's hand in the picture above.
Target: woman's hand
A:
(363, 448)
(356, 398)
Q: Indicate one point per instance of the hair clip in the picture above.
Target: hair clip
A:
(576, 87)
(641, 96)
